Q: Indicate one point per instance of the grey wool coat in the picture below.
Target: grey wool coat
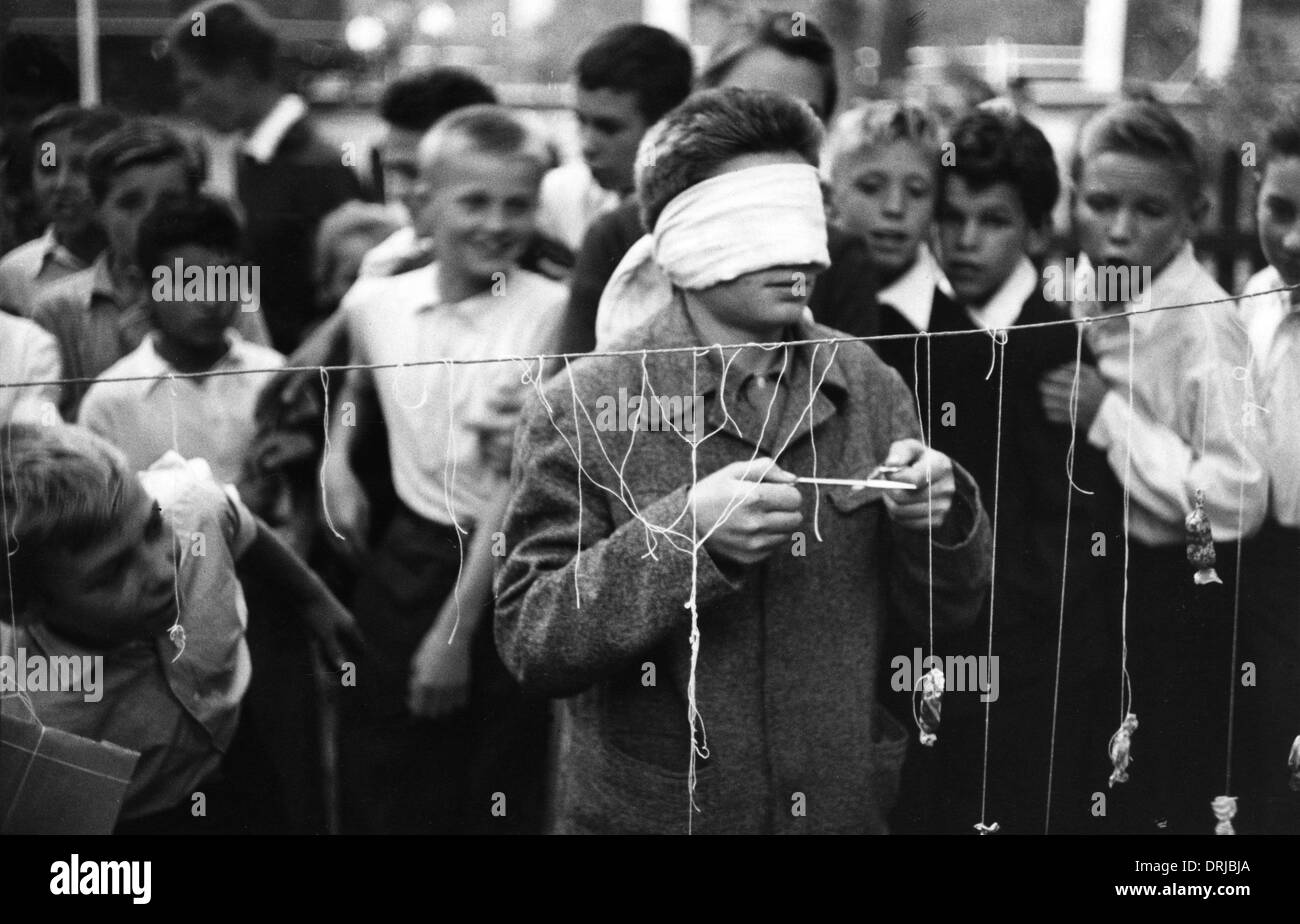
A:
(790, 649)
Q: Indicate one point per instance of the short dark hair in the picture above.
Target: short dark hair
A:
(79, 122)
(201, 219)
(777, 30)
(648, 62)
(1002, 147)
(232, 31)
(415, 102)
(1282, 137)
(1142, 129)
(713, 127)
(139, 141)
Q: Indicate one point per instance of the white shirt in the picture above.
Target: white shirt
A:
(28, 354)
(1190, 388)
(1003, 307)
(438, 470)
(28, 270)
(568, 202)
(212, 416)
(1274, 328)
(912, 294)
(265, 138)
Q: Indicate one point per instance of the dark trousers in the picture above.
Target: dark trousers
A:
(1270, 713)
(480, 771)
(1180, 662)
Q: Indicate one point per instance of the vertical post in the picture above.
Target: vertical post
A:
(1103, 45)
(671, 15)
(1220, 32)
(88, 51)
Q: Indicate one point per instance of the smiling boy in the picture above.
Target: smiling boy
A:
(479, 173)
(603, 560)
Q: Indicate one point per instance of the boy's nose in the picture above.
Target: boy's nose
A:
(1121, 228)
(969, 236)
(894, 201)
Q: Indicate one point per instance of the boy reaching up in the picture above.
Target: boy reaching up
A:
(144, 570)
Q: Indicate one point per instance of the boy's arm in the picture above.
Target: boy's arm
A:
(270, 562)
(564, 620)
(440, 670)
(348, 508)
(1165, 471)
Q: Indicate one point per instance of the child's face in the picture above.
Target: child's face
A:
(886, 197)
(1131, 211)
(762, 303)
(131, 194)
(479, 211)
(214, 99)
(982, 235)
(197, 323)
(1278, 214)
(610, 126)
(62, 189)
(119, 589)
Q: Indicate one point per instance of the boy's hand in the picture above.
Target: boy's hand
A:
(761, 518)
(439, 684)
(911, 509)
(349, 508)
(1055, 391)
(335, 629)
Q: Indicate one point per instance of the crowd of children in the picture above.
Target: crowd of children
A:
(510, 617)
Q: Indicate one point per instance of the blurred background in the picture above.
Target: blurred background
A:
(1220, 63)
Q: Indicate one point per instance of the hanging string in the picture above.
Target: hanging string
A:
(325, 456)
(1000, 358)
(1065, 567)
(177, 631)
(448, 480)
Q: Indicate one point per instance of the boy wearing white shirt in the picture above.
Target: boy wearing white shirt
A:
(1171, 424)
(479, 174)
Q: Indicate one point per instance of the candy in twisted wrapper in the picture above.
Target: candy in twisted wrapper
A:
(931, 705)
(1294, 763)
(1200, 543)
(1120, 743)
(1225, 809)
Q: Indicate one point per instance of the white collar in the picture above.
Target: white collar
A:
(263, 140)
(1003, 306)
(912, 294)
(151, 362)
(1178, 283)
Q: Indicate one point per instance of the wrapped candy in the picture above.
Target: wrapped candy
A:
(1225, 809)
(1120, 743)
(1200, 543)
(1294, 763)
(927, 719)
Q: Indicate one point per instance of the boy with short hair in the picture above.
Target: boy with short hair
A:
(1271, 563)
(208, 417)
(883, 161)
(611, 547)
(60, 139)
(285, 174)
(479, 174)
(98, 315)
(1171, 424)
(980, 403)
(142, 571)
